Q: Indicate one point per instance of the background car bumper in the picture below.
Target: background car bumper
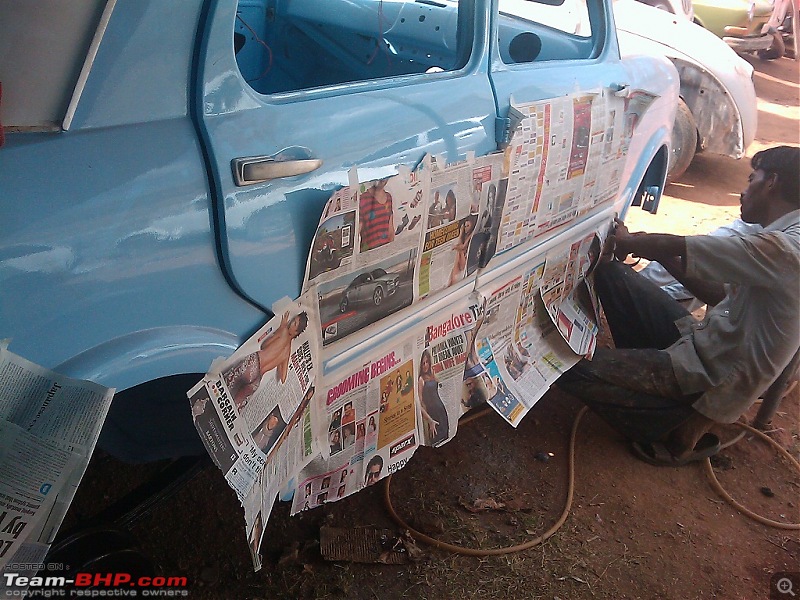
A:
(749, 44)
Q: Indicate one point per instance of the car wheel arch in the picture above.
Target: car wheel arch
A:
(718, 121)
(143, 356)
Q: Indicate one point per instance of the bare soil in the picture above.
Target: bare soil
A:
(634, 530)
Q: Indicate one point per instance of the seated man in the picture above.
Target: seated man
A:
(670, 377)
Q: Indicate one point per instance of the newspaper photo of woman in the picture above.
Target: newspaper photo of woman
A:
(434, 414)
(244, 378)
(335, 441)
(464, 238)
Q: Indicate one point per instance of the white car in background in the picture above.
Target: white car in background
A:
(681, 8)
(717, 110)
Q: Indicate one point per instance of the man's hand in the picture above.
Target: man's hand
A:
(620, 240)
(652, 246)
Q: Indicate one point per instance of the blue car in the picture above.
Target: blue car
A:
(165, 164)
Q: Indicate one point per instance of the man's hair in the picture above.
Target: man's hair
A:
(783, 161)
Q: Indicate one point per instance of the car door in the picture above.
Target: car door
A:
(363, 288)
(294, 93)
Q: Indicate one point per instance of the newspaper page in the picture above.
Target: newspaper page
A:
(385, 243)
(441, 360)
(450, 224)
(369, 411)
(608, 148)
(366, 248)
(519, 351)
(566, 295)
(565, 158)
(48, 429)
(409, 394)
(255, 410)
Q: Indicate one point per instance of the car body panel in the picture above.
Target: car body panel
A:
(267, 228)
(127, 251)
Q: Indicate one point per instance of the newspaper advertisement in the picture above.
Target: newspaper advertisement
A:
(385, 243)
(408, 394)
(567, 296)
(519, 352)
(565, 158)
(255, 412)
(365, 251)
(49, 427)
(371, 420)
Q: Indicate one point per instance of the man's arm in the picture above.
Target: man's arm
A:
(670, 251)
(652, 246)
(709, 292)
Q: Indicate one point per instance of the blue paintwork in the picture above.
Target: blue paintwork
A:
(126, 251)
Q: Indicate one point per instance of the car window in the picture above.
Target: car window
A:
(545, 30)
(304, 44)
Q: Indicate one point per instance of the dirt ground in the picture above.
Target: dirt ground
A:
(633, 531)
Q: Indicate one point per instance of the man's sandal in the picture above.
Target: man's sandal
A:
(656, 453)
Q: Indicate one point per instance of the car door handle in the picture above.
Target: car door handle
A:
(257, 169)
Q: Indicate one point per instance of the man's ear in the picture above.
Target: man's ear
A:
(773, 181)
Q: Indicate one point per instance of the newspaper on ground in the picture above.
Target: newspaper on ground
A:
(49, 425)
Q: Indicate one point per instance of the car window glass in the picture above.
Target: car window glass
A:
(541, 30)
(293, 45)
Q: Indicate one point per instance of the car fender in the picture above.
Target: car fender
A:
(720, 123)
(651, 139)
(716, 83)
(150, 354)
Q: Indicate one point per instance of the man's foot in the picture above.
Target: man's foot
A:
(685, 437)
(656, 453)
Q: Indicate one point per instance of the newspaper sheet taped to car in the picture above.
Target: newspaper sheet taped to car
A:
(272, 416)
